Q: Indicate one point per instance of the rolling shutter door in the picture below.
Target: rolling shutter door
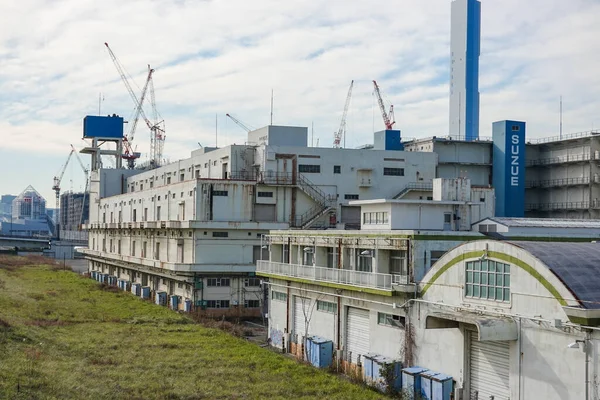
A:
(264, 213)
(350, 215)
(357, 333)
(489, 369)
(299, 320)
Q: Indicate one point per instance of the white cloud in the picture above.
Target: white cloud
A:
(226, 56)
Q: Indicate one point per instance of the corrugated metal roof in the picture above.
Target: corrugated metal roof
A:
(577, 265)
(548, 222)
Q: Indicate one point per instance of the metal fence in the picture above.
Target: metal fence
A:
(334, 275)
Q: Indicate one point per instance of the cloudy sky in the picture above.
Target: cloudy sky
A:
(225, 56)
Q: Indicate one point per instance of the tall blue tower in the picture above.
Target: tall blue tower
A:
(465, 38)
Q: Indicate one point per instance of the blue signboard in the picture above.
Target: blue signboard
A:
(508, 171)
(110, 127)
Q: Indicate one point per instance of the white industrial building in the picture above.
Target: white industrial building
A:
(192, 228)
(504, 319)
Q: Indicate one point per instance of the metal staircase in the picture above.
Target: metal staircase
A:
(417, 186)
(324, 202)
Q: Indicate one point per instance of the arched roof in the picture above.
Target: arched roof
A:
(577, 265)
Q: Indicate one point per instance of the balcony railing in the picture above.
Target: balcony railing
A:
(584, 180)
(569, 158)
(333, 275)
(567, 205)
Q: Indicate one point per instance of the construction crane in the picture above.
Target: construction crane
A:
(239, 123)
(388, 117)
(157, 133)
(58, 179)
(86, 173)
(337, 139)
(130, 155)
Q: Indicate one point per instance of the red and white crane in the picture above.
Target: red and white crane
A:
(156, 130)
(337, 139)
(388, 117)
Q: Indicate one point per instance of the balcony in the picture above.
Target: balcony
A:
(550, 183)
(368, 280)
(569, 158)
(562, 206)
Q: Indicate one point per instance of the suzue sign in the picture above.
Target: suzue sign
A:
(508, 173)
(515, 159)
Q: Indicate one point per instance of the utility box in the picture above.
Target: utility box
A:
(174, 302)
(368, 367)
(411, 381)
(145, 292)
(441, 387)
(187, 305)
(136, 288)
(93, 274)
(112, 280)
(161, 298)
(320, 351)
(380, 363)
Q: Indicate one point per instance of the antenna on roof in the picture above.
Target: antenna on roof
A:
(560, 128)
(271, 107)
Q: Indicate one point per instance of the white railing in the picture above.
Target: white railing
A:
(334, 275)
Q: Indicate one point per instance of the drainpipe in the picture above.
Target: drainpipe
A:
(586, 347)
(520, 357)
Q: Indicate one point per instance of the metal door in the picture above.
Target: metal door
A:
(357, 333)
(489, 364)
(264, 212)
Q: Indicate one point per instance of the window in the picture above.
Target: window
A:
(118, 247)
(285, 254)
(393, 171)
(251, 303)
(332, 257)
(181, 177)
(447, 218)
(103, 218)
(217, 304)
(157, 251)
(174, 195)
(151, 184)
(158, 213)
(435, 255)
(515, 128)
(217, 282)
(395, 321)
(168, 180)
(142, 186)
(120, 216)
(309, 168)
(487, 279)
(337, 169)
(179, 285)
(220, 234)
(350, 197)
(133, 248)
(278, 296)
(364, 260)
(265, 194)
(219, 193)
(251, 282)
(144, 248)
(375, 218)
(398, 262)
(134, 215)
(145, 216)
(326, 306)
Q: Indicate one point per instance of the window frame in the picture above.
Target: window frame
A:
(481, 281)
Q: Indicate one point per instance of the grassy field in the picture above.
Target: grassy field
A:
(64, 337)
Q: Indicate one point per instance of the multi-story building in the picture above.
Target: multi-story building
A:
(74, 212)
(495, 319)
(192, 228)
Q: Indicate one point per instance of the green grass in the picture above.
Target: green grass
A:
(63, 337)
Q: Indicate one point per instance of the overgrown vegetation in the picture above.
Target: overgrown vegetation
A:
(66, 337)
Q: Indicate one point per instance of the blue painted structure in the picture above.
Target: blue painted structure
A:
(161, 298)
(174, 302)
(93, 274)
(379, 363)
(145, 292)
(136, 288)
(508, 170)
(411, 380)
(187, 305)
(388, 140)
(465, 47)
(110, 127)
(320, 351)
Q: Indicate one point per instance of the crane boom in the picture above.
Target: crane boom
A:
(388, 118)
(239, 123)
(340, 133)
(56, 185)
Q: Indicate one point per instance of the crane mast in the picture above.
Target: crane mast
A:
(342, 131)
(388, 117)
(239, 123)
(57, 180)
